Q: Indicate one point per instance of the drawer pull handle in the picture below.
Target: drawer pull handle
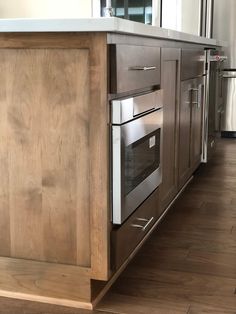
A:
(145, 68)
(148, 221)
(143, 219)
(137, 226)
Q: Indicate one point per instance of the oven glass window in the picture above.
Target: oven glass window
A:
(141, 159)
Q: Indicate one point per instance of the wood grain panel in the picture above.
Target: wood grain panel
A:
(54, 123)
(99, 163)
(46, 154)
(62, 71)
(23, 123)
(169, 131)
(196, 124)
(5, 245)
(47, 40)
(83, 196)
(185, 132)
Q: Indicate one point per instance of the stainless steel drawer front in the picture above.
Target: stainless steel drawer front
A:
(127, 109)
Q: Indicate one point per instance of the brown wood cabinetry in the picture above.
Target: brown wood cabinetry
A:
(196, 123)
(54, 192)
(170, 84)
(126, 61)
(190, 112)
(55, 222)
(182, 118)
(185, 132)
(190, 127)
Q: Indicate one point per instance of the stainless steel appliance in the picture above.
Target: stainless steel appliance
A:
(228, 114)
(224, 28)
(136, 151)
(213, 100)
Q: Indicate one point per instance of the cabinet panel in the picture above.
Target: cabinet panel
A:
(185, 132)
(41, 146)
(196, 123)
(170, 86)
(190, 139)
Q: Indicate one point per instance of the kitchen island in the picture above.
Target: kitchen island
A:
(55, 235)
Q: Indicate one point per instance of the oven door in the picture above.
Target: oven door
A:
(137, 154)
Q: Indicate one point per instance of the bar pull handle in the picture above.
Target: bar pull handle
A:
(139, 226)
(198, 100)
(228, 76)
(144, 68)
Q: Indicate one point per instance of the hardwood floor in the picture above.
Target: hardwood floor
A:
(189, 263)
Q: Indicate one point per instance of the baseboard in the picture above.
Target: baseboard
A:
(52, 283)
(47, 300)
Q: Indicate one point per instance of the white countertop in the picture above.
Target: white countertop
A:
(113, 24)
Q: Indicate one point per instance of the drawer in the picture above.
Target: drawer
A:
(133, 67)
(192, 63)
(128, 236)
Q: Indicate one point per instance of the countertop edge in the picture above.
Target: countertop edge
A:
(111, 25)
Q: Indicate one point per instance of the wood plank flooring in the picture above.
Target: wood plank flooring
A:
(189, 263)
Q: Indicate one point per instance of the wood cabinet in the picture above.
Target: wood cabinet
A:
(55, 158)
(54, 153)
(126, 61)
(184, 131)
(196, 123)
(170, 71)
(190, 127)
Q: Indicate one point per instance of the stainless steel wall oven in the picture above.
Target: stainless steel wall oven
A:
(136, 151)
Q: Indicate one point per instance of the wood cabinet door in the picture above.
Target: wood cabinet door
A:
(185, 132)
(170, 85)
(196, 123)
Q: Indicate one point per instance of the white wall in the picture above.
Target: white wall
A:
(45, 8)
